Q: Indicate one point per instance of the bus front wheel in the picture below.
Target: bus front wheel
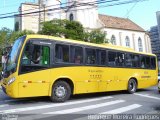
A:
(61, 91)
(132, 86)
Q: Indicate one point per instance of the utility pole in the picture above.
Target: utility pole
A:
(39, 2)
(41, 15)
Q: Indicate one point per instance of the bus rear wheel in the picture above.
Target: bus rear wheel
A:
(132, 86)
(61, 91)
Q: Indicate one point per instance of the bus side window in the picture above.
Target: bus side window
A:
(62, 53)
(120, 59)
(112, 58)
(101, 57)
(143, 62)
(148, 66)
(90, 56)
(76, 55)
(135, 61)
(39, 59)
(45, 58)
(129, 60)
(153, 63)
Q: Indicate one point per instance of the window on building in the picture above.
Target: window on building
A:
(62, 53)
(140, 45)
(90, 56)
(71, 17)
(113, 40)
(127, 40)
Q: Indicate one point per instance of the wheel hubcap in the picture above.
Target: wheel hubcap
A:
(132, 86)
(60, 91)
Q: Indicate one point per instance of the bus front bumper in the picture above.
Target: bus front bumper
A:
(8, 90)
(159, 86)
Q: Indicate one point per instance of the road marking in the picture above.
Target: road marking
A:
(122, 109)
(148, 96)
(73, 110)
(53, 105)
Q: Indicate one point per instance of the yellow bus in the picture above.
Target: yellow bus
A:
(40, 65)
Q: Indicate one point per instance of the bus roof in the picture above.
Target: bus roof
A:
(109, 46)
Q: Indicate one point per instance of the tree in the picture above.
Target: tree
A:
(96, 36)
(8, 36)
(75, 30)
(65, 28)
(72, 30)
(4, 36)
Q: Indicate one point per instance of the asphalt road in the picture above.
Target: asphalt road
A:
(109, 105)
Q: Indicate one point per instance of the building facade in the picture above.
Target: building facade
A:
(158, 22)
(119, 31)
(155, 41)
(124, 32)
(28, 21)
(155, 37)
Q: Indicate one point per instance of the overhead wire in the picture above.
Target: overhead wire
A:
(56, 5)
(75, 6)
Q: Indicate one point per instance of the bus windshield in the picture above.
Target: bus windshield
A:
(14, 54)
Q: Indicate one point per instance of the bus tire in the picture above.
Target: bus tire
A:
(132, 86)
(61, 91)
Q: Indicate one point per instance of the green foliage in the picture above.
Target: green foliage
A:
(72, 30)
(8, 36)
(4, 35)
(75, 30)
(59, 28)
(96, 36)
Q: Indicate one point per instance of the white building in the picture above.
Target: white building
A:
(119, 31)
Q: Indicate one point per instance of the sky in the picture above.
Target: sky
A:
(142, 13)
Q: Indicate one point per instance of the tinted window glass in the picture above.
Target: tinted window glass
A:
(62, 53)
(37, 60)
(143, 62)
(153, 62)
(112, 58)
(120, 59)
(76, 54)
(135, 61)
(128, 60)
(101, 56)
(90, 56)
(148, 62)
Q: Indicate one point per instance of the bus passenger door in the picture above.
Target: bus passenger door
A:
(34, 78)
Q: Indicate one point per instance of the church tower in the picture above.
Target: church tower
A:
(55, 5)
(84, 11)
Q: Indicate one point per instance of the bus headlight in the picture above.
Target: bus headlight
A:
(11, 80)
